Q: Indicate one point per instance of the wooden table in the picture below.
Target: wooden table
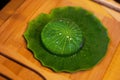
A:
(13, 43)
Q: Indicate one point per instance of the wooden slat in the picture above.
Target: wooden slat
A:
(11, 69)
(9, 9)
(113, 71)
(8, 73)
(114, 14)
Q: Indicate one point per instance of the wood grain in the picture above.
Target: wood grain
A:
(114, 69)
(114, 14)
(12, 40)
(9, 9)
(7, 72)
(11, 70)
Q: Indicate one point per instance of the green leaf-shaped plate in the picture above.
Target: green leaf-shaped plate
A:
(68, 39)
